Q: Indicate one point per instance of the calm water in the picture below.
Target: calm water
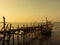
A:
(54, 39)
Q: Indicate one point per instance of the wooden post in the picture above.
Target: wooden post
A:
(10, 32)
(23, 35)
(18, 35)
(7, 34)
(4, 22)
(4, 30)
(13, 37)
(8, 38)
(6, 26)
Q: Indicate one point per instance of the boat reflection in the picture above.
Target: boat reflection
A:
(45, 40)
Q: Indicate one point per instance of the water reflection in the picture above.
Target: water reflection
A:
(53, 39)
(45, 40)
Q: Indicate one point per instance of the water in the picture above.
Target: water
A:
(54, 39)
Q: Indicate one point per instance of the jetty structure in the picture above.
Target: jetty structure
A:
(28, 33)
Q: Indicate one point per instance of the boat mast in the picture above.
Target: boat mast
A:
(46, 22)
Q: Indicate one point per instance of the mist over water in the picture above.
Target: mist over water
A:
(54, 39)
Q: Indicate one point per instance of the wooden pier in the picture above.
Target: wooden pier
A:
(28, 34)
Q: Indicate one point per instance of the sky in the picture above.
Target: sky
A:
(30, 10)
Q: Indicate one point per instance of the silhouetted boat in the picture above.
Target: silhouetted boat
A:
(46, 29)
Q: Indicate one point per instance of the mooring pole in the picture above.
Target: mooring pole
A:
(18, 36)
(4, 30)
(13, 37)
(9, 36)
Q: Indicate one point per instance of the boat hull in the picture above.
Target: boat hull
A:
(46, 32)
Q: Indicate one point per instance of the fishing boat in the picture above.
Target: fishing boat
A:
(46, 29)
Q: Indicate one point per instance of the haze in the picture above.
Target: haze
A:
(30, 10)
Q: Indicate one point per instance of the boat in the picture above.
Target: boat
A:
(46, 29)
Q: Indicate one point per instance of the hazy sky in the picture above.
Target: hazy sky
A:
(29, 10)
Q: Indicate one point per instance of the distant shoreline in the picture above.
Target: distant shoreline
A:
(56, 22)
(27, 22)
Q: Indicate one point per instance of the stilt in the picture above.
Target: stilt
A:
(18, 36)
(13, 38)
(23, 35)
(4, 30)
(9, 36)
